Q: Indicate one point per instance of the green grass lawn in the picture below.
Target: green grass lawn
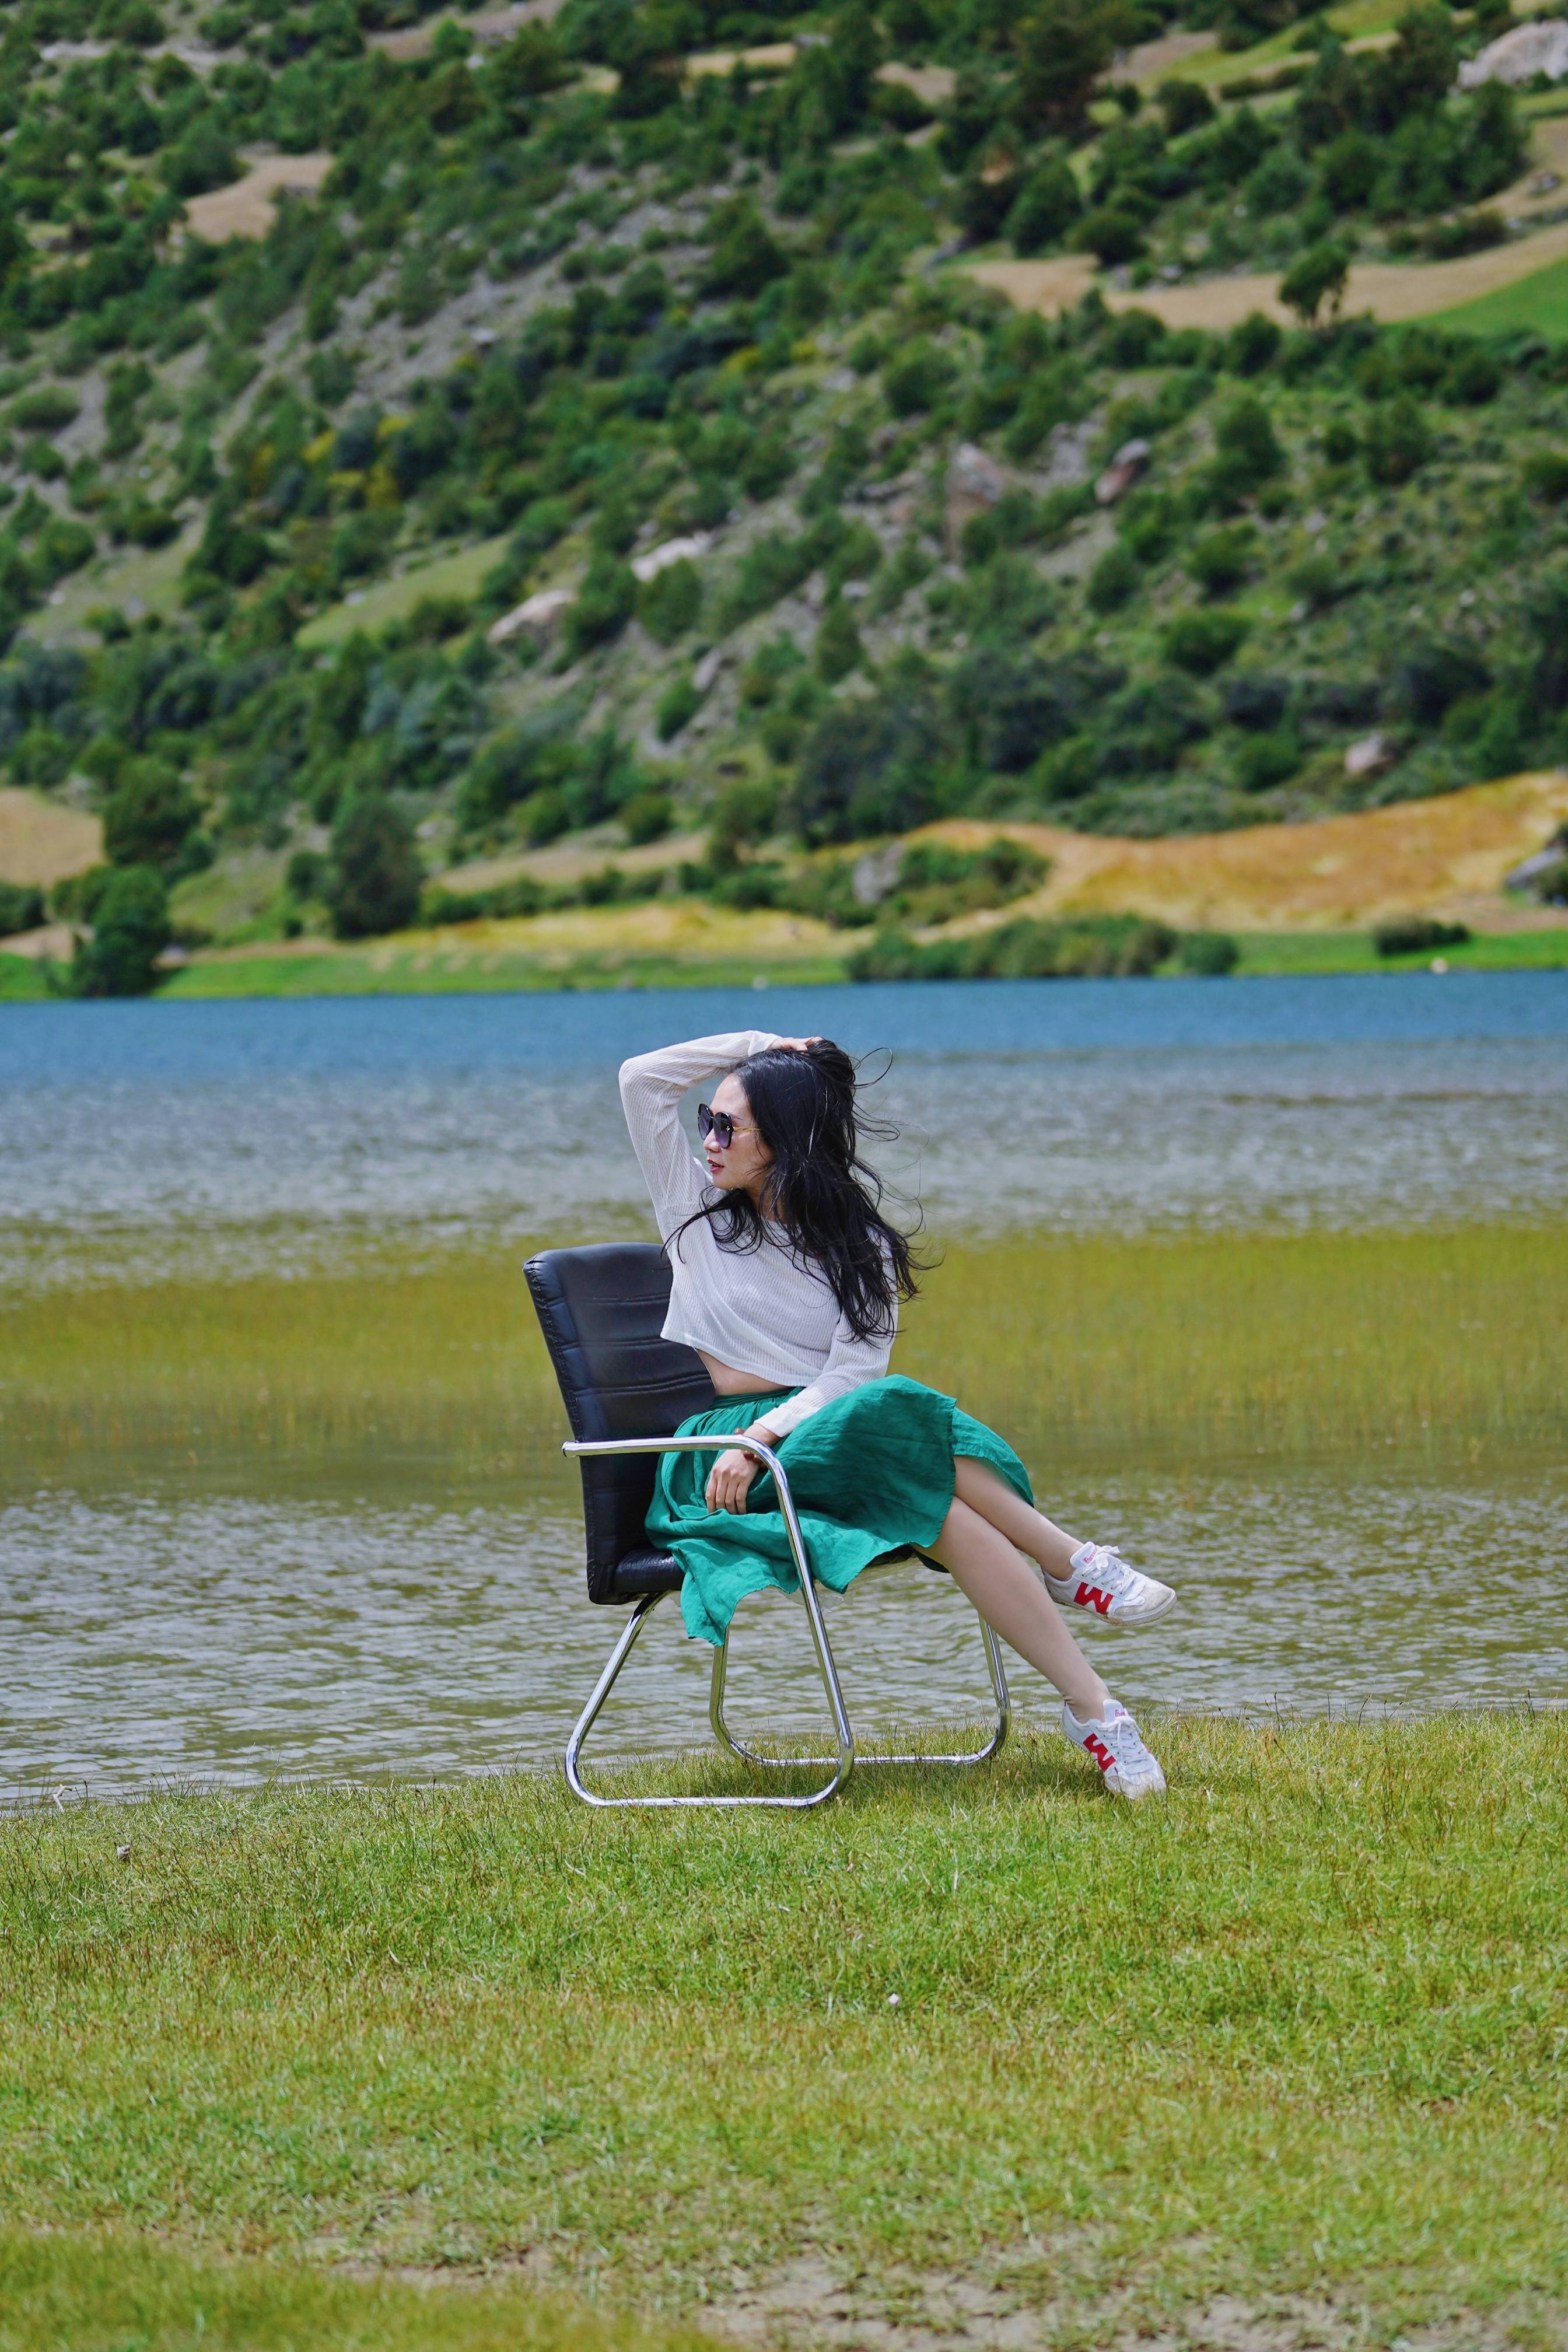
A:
(1330, 952)
(439, 970)
(456, 576)
(1296, 2031)
(1539, 302)
(21, 980)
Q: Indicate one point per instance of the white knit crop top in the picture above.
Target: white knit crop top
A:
(768, 1313)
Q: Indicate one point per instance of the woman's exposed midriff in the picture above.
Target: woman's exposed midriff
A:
(730, 1383)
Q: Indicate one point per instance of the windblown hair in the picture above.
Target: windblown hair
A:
(819, 1190)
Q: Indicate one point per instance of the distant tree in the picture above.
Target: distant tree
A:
(1316, 277)
(1246, 451)
(1184, 105)
(148, 816)
(1418, 71)
(1062, 48)
(131, 930)
(1045, 207)
(838, 647)
(746, 256)
(669, 604)
(374, 877)
(1397, 443)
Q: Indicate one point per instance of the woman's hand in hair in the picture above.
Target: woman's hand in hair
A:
(798, 1044)
(729, 1480)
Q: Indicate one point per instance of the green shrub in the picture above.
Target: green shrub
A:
(149, 816)
(202, 159)
(21, 907)
(545, 816)
(1546, 476)
(646, 816)
(671, 601)
(1397, 443)
(1045, 207)
(1418, 935)
(1209, 955)
(1220, 562)
(1202, 641)
(605, 605)
(1111, 233)
(678, 706)
(917, 378)
(1246, 451)
(131, 931)
(1269, 757)
(838, 647)
(373, 879)
(46, 409)
(1114, 578)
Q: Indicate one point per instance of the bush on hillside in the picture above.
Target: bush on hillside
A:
(150, 816)
(374, 877)
(1418, 935)
(131, 931)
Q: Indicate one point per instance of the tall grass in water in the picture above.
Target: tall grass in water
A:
(1444, 1344)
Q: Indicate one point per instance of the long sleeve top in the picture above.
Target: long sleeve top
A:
(767, 1312)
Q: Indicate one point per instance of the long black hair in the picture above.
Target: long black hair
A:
(818, 1188)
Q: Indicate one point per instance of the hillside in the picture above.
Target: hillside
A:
(424, 441)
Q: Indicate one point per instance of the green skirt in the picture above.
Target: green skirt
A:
(871, 1474)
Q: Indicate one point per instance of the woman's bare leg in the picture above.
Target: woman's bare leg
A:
(976, 1484)
(987, 1570)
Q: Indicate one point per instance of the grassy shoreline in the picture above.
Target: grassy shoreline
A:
(1426, 1346)
(1290, 2034)
(431, 964)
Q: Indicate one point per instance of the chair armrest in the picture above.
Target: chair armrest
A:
(715, 1445)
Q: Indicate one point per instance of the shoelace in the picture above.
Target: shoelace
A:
(1122, 1736)
(1113, 1573)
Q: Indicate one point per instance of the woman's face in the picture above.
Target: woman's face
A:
(741, 1166)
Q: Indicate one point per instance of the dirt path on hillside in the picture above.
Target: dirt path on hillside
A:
(1390, 290)
(245, 208)
(1445, 857)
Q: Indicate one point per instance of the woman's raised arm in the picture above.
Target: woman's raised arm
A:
(652, 1089)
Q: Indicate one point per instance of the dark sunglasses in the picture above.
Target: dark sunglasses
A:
(719, 1125)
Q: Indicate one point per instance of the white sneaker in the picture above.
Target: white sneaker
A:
(1102, 1580)
(1117, 1748)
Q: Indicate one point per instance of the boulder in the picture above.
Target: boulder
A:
(673, 551)
(536, 616)
(1516, 56)
(1525, 875)
(1369, 756)
(975, 484)
(1129, 461)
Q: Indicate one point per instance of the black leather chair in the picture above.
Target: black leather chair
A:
(626, 1388)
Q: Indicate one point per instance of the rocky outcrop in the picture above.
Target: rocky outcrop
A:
(1518, 56)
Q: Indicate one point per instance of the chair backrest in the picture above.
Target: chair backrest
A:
(601, 1310)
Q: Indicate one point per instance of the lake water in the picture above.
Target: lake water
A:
(155, 1629)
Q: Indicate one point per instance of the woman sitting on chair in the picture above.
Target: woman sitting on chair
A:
(786, 1280)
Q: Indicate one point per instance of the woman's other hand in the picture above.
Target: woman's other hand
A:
(798, 1044)
(729, 1480)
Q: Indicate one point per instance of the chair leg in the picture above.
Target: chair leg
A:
(843, 1762)
(869, 1755)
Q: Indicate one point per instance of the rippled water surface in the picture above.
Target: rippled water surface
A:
(155, 1627)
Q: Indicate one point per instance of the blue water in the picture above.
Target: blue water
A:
(402, 1037)
(152, 1628)
(234, 1136)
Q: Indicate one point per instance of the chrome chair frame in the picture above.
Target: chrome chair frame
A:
(845, 1757)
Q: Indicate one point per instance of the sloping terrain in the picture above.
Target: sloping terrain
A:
(576, 424)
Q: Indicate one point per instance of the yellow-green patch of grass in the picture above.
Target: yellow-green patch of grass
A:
(22, 980)
(1296, 2029)
(1438, 1344)
(459, 972)
(108, 2291)
(142, 580)
(1302, 1343)
(1287, 952)
(457, 576)
(1537, 304)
